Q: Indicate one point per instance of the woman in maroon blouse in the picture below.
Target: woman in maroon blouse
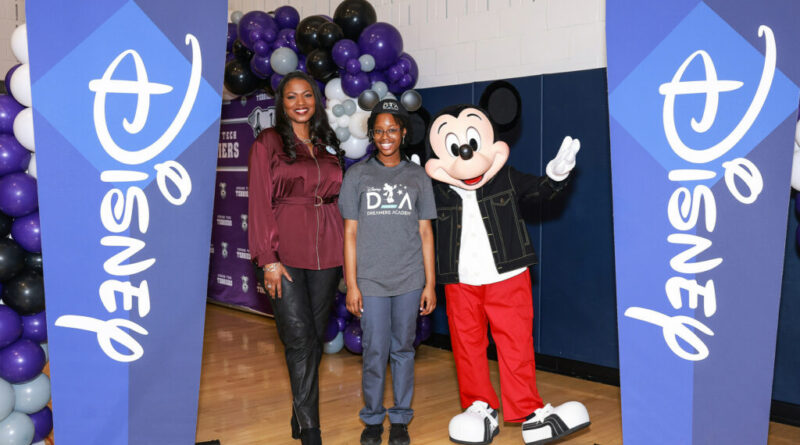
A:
(296, 234)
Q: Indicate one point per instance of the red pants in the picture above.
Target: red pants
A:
(508, 307)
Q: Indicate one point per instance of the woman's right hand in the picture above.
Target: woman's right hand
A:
(272, 278)
(353, 301)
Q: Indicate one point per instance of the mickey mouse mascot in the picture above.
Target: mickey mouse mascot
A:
(483, 255)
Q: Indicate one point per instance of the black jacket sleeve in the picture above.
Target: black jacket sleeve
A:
(530, 188)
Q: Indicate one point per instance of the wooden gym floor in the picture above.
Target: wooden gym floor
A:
(245, 397)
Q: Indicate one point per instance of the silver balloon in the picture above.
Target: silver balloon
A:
(16, 429)
(342, 133)
(283, 61)
(368, 99)
(236, 16)
(6, 399)
(32, 396)
(44, 346)
(335, 345)
(349, 107)
(338, 110)
(367, 62)
(411, 100)
(381, 88)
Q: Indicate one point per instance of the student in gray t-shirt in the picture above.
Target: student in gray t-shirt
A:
(387, 204)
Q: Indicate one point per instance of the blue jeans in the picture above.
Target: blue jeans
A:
(389, 326)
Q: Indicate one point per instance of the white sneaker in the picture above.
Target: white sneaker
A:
(549, 424)
(475, 426)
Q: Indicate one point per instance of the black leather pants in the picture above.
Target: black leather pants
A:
(301, 316)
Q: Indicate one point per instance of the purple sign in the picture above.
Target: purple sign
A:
(232, 277)
(703, 103)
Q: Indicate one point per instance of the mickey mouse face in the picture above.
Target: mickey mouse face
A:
(467, 154)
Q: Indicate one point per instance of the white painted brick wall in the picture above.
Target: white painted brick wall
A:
(459, 41)
(453, 41)
(12, 14)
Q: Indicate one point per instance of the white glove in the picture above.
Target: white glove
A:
(558, 169)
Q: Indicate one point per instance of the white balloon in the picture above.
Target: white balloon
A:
(358, 124)
(797, 136)
(333, 90)
(23, 128)
(354, 147)
(329, 111)
(19, 43)
(343, 120)
(32, 166)
(796, 168)
(236, 16)
(33, 395)
(20, 84)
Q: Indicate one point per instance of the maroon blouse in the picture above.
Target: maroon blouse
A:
(294, 216)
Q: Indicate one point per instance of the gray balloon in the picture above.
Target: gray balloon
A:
(411, 100)
(381, 88)
(349, 107)
(236, 16)
(368, 99)
(338, 110)
(16, 429)
(46, 350)
(343, 134)
(367, 62)
(32, 396)
(6, 399)
(283, 61)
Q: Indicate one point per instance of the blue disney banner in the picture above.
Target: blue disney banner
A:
(703, 103)
(126, 99)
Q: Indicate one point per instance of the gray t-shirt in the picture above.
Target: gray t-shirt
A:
(388, 203)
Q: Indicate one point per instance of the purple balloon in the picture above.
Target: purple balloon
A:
(13, 156)
(21, 361)
(34, 327)
(409, 66)
(353, 66)
(340, 310)
(229, 57)
(261, 67)
(261, 48)
(383, 41)
(42, 423)
(10, 326)
(8, 76)
(352, 85)
(26, 231)
(331, 330)
(256, 25)
(423, 327)
(284, 39)
(287, 17)
(233, 33)
(352, 337)
(394, 74)
(18, 194)
(340, 297)
(341, 323)
(275, 80)
(409, 74)
(9, 108)
(377, 76)
(344, 50)
(301, 64)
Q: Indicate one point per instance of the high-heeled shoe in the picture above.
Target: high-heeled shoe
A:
(311, 436)
(295, 426)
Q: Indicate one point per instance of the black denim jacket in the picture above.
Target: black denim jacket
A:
(499, 201)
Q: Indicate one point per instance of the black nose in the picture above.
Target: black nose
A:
(465, 151)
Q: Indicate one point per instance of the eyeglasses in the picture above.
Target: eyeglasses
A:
(392, 132)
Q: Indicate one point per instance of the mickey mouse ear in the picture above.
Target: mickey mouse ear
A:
(503, 103)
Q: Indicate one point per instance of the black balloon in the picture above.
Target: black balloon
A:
(5, 224)
(320, 65)
(33, 261)
(353, 16)
(418, 123)
(329, 33)
(307, 34)
(12, 258)
(242, 52)
(239, 79)
(25, 293)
